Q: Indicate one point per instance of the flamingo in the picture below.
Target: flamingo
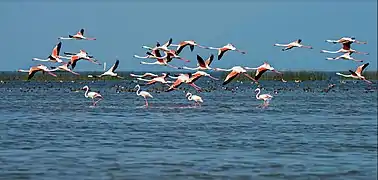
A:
(74, 53)
(162, 61)
(293, 44)
(262, 69)
(54, 57)
(37, 68)
(202, 64)
(346, 40)
(235, 71)
(190, 43)
(145, 94)
(345, 49)
(199, 74)
(182, 78)
(92, 95)
(64, 67)
(79, 56)
(164, 47)
(345, 56)
(226, 48)
(265, 97)
(154, 80)
(195, 98)
(174, 55)
(144, 75)
(357, 74)
(111, 71)
(78, 36)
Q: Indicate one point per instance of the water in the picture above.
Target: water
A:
(50, 131)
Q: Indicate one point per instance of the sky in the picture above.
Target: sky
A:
(31, 29)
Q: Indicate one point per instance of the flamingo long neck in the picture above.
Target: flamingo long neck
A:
(86, 93)
(333, 52)
(344, 75)
(190, 96)
(22, 70)
(220, 69)
(156, 62)
(258, 94)
(138, 93)
(190, 68)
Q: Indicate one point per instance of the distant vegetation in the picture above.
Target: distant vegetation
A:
(288, 75)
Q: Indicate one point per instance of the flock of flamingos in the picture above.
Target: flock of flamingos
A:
(154, 53)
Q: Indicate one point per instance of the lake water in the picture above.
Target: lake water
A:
(50, 131)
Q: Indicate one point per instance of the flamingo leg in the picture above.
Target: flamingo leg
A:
(145, 99)
(95, 103)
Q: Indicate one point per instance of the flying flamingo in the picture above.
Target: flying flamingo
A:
(195, 98)
(64, 67)
(37, 68)
(265, 97)
(345, 49)
(92, 95)
(199, 74)
(357, 73)
(202, 64)
(78, 36)
(154, 80)
(144, 75)
(345, 56)
(111, 71)
(174, 55)
(190, 43)
(291, 45)
(79, 56)
(226, 48)
(145, 94)
(54, 57)
(346, 40)
(69, 54)
(163, 47)
(235, 71)
(182, 78)
(162, 61)
(262, 69)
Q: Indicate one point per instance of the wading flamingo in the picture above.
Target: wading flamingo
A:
(54, 57)
(144, 94)
(195, 98)
(345, 56)
(92, 95)
(265, 97)
(346, 40)
(202, 64)
(357, 74)
(78, 36)
(37, 68)
(345, 49)
(293, 44)
(235, 71)
(224, 49)
(190, 43)
(262, 69)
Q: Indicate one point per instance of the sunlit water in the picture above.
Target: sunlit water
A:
(49, 131)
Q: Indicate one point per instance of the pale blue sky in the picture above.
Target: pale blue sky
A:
(121, 28)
